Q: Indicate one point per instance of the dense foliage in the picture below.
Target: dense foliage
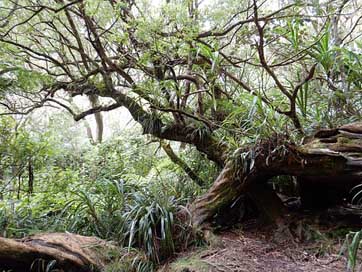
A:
(123, 189)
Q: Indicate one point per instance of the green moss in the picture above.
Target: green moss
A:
(125, 260)
(192, 263)
(344, 140)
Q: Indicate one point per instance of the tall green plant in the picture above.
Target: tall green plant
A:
(351, 246)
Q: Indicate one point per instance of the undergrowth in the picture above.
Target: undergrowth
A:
(101, 194)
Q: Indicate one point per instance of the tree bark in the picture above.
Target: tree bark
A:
(69, 252)
(99, 119)
(335, 154)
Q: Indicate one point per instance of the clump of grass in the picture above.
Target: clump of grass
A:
(129, 260)
(135, 214)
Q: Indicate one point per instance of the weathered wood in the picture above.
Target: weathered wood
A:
(335, 155)
(70, 252)
(224, 191)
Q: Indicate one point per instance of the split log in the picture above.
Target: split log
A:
(334, 156)
(67, 252)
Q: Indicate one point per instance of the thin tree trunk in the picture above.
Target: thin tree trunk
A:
(89, 132)
(30, 177)
(177, 160)
(99, 119)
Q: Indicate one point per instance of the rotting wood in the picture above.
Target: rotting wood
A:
(69, 252)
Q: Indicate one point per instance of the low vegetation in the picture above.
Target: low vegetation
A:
(115, 190)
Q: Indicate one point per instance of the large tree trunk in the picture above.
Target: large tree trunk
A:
(69, 252)
(333, 156)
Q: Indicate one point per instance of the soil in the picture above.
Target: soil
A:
(250, 253)
(300, 248)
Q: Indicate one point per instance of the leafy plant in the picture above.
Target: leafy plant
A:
(351, 245)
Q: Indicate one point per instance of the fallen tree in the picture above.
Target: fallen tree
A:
(331, 159)
(69, 252)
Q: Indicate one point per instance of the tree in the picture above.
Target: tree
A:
(242, 85)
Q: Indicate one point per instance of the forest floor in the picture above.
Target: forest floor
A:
(304, 246)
